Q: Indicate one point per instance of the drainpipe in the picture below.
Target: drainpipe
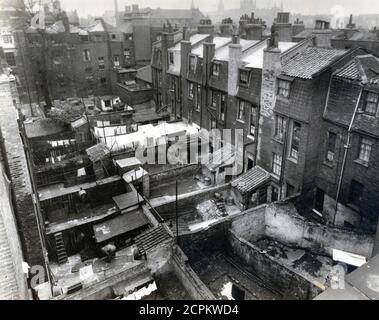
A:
(347, 146)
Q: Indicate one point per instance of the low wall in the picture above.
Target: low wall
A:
(187, 201)
(209, 239)
(281, 222)
(170, 173)
(283, 278)
(189, 279)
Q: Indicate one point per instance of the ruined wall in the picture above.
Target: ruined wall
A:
(291, 284)
(189, 279)
(282, 223)
(206, 240)
(291, 229)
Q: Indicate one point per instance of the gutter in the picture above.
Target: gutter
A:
(347, 146)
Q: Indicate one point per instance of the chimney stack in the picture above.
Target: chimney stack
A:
(117, 13)
(235, 62)
(298, 27)
(226, 27)
(350, 29)
(205, 27)
(323, 34)
(283, 26)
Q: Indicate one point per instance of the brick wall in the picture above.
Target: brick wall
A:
(21, 185)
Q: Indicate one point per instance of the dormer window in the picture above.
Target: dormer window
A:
(244, 77)
(215, 69)
(371, 103)
(284, 88)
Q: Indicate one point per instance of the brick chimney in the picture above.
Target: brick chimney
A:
(350, 29)
(235, 62)
(283, 26)
(209, 49)
(186, 34)
(323, 34)
(205, 27)
(298, 26)
(167, 42)
(226, 27)
(254, 29)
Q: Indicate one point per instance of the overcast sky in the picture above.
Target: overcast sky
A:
(97, 7)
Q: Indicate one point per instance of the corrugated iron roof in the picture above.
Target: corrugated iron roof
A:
(251, 179)
(311, 61)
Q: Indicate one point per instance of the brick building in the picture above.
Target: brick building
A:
(348, 161)
(79, 61)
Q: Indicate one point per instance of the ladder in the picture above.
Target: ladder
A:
(61, 250)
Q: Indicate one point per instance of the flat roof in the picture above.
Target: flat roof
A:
(128, 162)
(119, 225)
(127, 200)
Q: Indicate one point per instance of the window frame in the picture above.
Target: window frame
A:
(329, 148)
(277, 162)
(253, 122)
(191, 92)
(284, 91)
(223, 107)
(192, 63)
(374, 102)
(363, 154)
(216, 67)
(86, 55)
(295, 156)
(198, 97)
(241, 115)
(280, 130)
(241, 73)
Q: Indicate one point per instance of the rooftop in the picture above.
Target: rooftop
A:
(251, 179)
(311, 61)
(43, 128)
(363, 68)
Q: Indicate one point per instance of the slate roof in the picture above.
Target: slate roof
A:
(311, 61)
(362, 68)
(251, 180)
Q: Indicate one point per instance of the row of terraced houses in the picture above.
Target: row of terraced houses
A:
(309, 111)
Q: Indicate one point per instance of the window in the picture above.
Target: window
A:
(330, 147)
(241, 110)
(127, 54)
(113, 37)
(103, 82)
(284, 88)
(280, 127)
(198, 98)
(191, 92)
(277, 164)
(101, 62)
(128, 37)
(10, 58)
(192, 63)
(364, 150)
(86, 55)
(7, 39)
(98, 37)
(215, 69)
(214, 100)
(116, 61)
(213, 124)
(171, 58)
(295, 143)
(275, 194)
(84, 38)
(252, 122)
(172, 83)
(356, 193)
(244, 77)
(371, 104)
(223, 107)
